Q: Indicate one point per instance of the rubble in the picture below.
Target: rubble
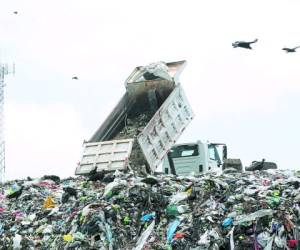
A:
(250, 210)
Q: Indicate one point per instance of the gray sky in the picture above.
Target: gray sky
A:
(248, 99)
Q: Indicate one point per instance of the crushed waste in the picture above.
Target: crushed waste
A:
(230, 210)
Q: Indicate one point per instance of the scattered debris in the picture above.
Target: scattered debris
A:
(240, 210)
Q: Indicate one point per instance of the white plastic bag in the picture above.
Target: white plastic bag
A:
(145, 235)
(17, 242)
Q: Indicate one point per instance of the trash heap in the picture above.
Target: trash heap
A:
(253, 210)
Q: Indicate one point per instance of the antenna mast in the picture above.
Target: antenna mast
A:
(4, 70)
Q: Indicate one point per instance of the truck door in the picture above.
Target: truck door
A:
(185, 159)
(214, 161)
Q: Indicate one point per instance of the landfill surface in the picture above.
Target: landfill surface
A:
(229, 210)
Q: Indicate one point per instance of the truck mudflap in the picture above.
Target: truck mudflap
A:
(106, 155)
(165, 127)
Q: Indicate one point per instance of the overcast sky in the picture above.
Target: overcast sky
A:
(247, 99)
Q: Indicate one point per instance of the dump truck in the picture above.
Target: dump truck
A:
(144, 125)
(198, 158)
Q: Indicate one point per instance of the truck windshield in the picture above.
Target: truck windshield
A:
(184, 151)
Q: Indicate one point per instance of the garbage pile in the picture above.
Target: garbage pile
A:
(252, 210)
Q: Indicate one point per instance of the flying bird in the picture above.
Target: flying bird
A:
(74, 78)
(290, 50)
(245, 45)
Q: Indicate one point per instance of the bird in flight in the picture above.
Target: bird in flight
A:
(290, 50)
(242, 44)
(74, 78)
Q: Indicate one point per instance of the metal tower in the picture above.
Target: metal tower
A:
(4, 70)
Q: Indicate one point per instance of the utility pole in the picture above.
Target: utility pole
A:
(4, 70)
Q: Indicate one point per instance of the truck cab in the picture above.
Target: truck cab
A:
(197, 158)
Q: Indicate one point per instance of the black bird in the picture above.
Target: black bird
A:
(54, 178)
(68, 192)
(74, 78)
(71, 191)
(245, 45)
(108, 178)
(15, 12)
(95, 176)
(65, 197)
(150, 180)
(256, 165)
(290, 50)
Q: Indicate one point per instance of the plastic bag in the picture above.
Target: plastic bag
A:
(145, 235)
(68, 237)
(230, 234)
(148, 217)
(253, 216)
(270, 244)
(227, 222)
(263, 239)
(49, 203)
(17, 242)
(176, 198)
(172, 229)
(204, 241)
